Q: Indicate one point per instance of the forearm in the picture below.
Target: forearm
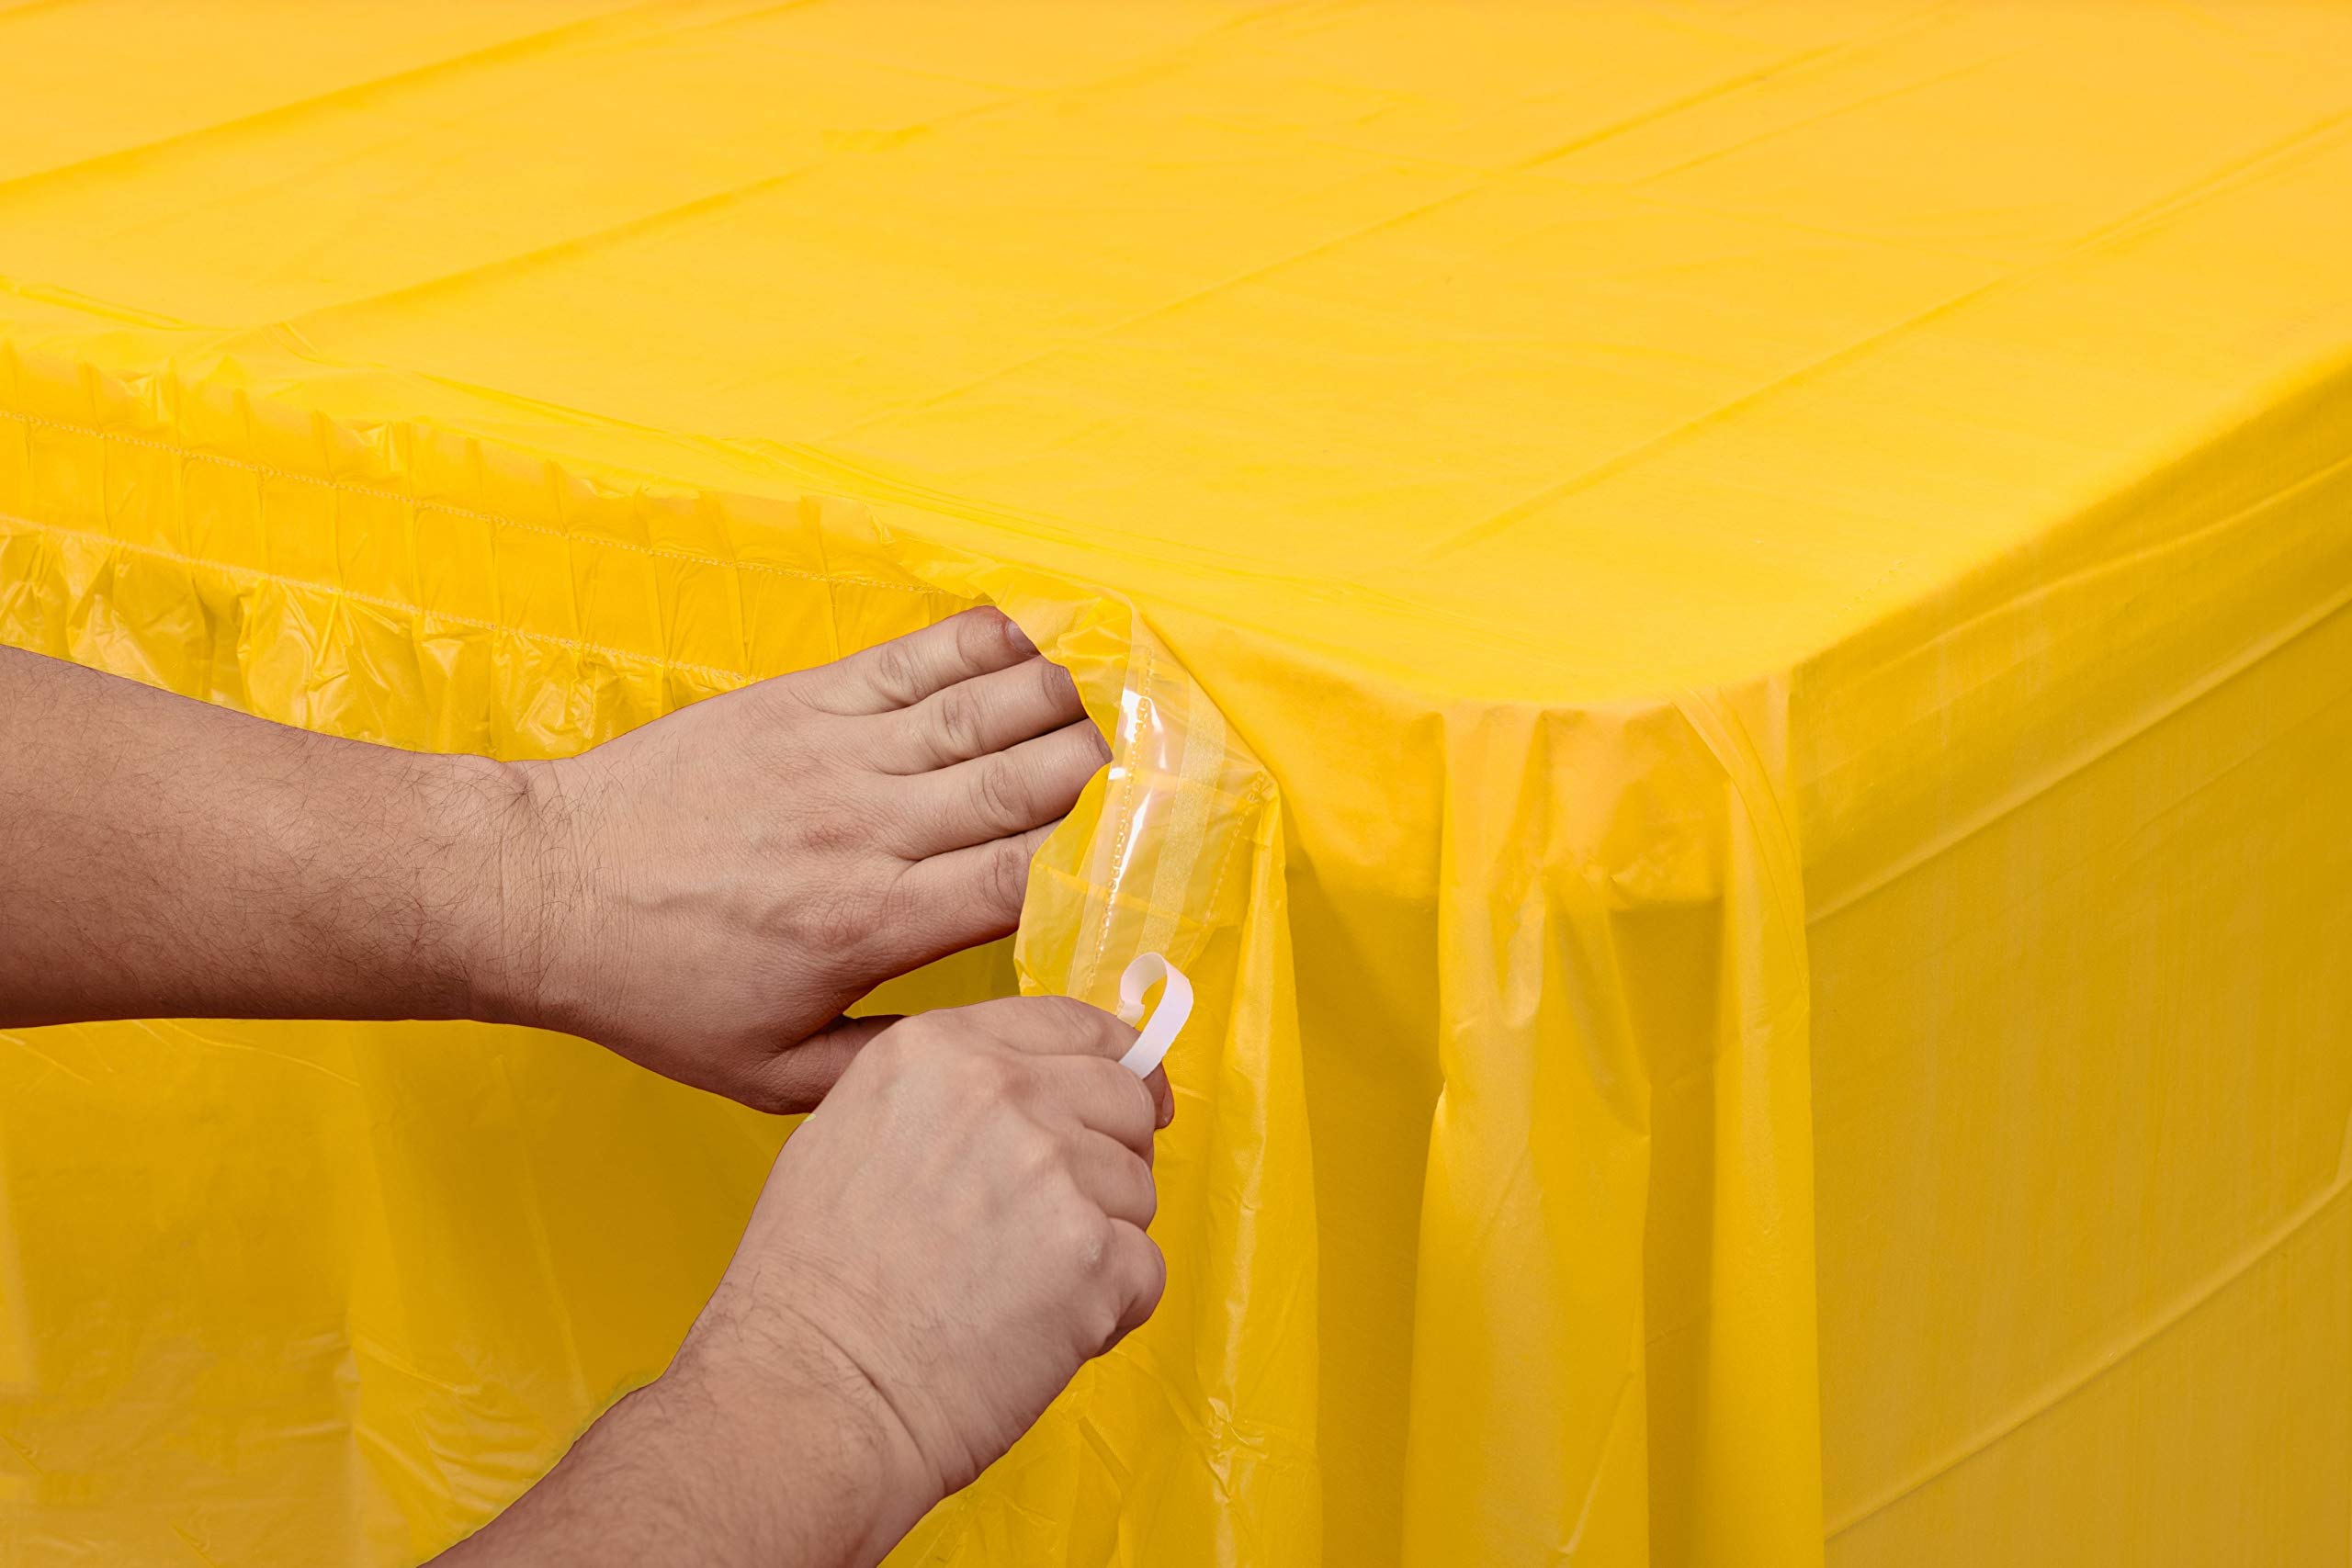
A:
(736, 1460)
(161, 857)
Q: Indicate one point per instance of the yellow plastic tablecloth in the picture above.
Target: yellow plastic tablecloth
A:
(1725, 631)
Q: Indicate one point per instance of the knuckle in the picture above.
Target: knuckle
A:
(1007, 877)
(1056, 1008)
(1104, 1032)
(956, 721)
(1019, 1155)
(1085, 1235)
(894, 671)
(1038, 1158)
(1082, 1022)
(1000, 1077)
(1146, 1283)
(998, 791)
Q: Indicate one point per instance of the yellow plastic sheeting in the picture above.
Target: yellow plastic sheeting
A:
(1725, 628)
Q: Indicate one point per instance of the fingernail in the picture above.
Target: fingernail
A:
(1017, 637)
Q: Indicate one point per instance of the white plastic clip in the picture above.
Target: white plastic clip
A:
(1175, 1007)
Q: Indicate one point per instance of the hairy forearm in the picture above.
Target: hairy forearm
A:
(161, 857)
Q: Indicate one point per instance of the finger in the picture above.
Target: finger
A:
(1163, 1097)
(962, 899)
(1095, 1094)
(1113, 1179)
(1006, 792)
(1138, 1277)
(904, 671)
(985, 714)
(1050, 1026)
(796, 1078)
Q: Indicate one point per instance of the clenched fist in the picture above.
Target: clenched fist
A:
(957, 1230)
(962, 1225)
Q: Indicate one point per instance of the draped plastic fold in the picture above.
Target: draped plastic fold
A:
(1723, 634)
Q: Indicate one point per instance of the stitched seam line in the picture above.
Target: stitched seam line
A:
(444, 509)
(417, 611)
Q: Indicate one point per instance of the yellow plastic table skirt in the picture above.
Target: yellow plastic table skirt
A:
(1724, 629)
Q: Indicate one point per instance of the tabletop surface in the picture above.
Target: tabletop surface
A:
(1589, 351)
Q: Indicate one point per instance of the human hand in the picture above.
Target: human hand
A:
(955, 1231)
(706, 893)
(938, 1250)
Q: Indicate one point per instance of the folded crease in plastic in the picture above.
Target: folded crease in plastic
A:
(1725, 645)
(1176, 850)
